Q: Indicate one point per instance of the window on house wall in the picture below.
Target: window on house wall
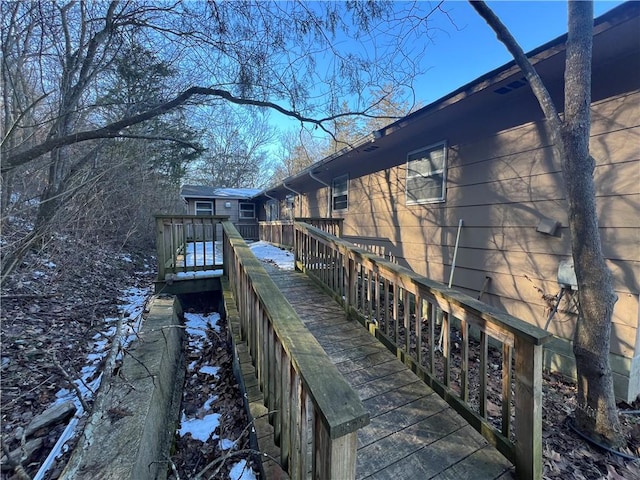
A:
(340, 192)
(204, 208)
(247, 210)
(426, 174)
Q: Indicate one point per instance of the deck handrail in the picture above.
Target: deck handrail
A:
(280, 232)
(306, 396)
(382, 296)
(176, 233)
(329, 225)
(277, 232)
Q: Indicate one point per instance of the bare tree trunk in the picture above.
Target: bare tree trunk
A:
(597, 414)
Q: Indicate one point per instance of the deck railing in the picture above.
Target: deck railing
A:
(408, 312)
(187, 243)
(314, 412)
(332, 226)
(280, 232)
(248, 231)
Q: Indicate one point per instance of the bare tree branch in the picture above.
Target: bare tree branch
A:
(113, 130)
(504, 36)
(179, 141)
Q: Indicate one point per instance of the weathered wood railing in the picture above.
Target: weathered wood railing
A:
(280, 232)
(407, 311)
(314, 412)
(248, 231)
(187, 243)
(332, 226)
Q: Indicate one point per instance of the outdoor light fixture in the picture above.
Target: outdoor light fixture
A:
(227, 204)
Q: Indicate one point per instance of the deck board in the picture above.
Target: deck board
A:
(413, 432)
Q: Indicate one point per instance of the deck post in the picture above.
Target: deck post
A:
(528, 409)
(351, 282)
(334, 457)
(160, 247)
(296, 248)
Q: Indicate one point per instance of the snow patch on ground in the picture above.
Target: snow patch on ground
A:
(200, 428)
(241, 471)
(134, 300)
(209, 370)
(197, 325)
(265, 251)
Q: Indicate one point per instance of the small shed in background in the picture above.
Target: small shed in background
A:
(236, 203)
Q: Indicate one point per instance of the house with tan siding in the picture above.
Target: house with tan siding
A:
(476, 169)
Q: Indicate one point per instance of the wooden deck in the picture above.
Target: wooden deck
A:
(413, 432)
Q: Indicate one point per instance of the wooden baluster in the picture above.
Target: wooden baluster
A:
(335, 271)
(432, 335)
(270, 387)
(419, 305)
(325, 265)
(506, 389)
(464, 380)
(341, 275)
(305, 436)
(285, 417)
(377, 300)
(179, 242)
(387, 313)
(362, 289)
(396, 294)
(370, 294)
(446, 353)
(484, 359)
(277, 389)
(407, 320)
(160, 248)
(295, 456)
(351, 282)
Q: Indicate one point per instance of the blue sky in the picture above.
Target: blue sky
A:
(458, 57)
(462, 52)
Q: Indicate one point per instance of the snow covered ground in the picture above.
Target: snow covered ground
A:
(202, 424)
(201, 427)
(265, 251)
(134, 300)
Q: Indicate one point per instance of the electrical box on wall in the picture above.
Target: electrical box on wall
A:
(567, 275)
(548, 227)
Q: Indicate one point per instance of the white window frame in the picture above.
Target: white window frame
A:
(198, 206)
(335, 193)
(242, 213)
(413, 173)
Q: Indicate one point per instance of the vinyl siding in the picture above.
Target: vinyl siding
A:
(501, 185)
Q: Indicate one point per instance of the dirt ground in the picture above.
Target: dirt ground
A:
(57, 301)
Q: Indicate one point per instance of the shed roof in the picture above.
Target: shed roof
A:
(203, 191)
